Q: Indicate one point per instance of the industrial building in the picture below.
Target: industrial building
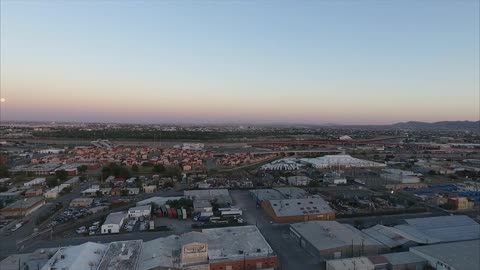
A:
(358, 263)
(81, 202)
(428, 230)
(297, 180)
(236, 248)
(246, 248)
(220, 196)
(390, 236)
(33, 260)
(22, 208)
(200, 206)
(390, 261)
(55, 191)
(461, 203)
(404, 261)
(400, 176)
(451, 256)
(278, 193)
(286, 164)
(298, 210)
(35, 182)
(340, 161)
(333, 240)
(463, 255)
(121, 255)
(113, 223)
(81, 257)
(36, 169)
(140, 211)
(432, 230)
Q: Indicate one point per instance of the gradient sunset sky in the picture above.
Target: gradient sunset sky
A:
(346, 62)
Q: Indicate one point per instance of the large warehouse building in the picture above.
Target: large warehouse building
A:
(330, 239)
(432, 230)
(461, 255)
(341, 161)
(22, 208)
(298, 210)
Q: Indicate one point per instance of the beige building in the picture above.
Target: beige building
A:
(81, 202)
(194, 256)
(23, 207)
(150, 189)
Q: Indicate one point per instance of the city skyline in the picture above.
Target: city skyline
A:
(240, 62)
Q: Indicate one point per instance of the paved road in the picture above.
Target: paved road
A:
(289, 252)
(9, 240)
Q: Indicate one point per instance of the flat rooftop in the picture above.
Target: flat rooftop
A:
(243, 241)
(121, 255)
(81, 257)
(300, 207)
(400, 258)
(221, 195)
(278, 193)
(389, 236)
(158, 200)
(331, 234)
(141, 208)
(351, 263)
(38, 258)
(441, 229)
(459, 255)
(224, 244)
(115, 218)
(25, 203)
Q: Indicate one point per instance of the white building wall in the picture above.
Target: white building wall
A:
(114, 228)
(139, 213)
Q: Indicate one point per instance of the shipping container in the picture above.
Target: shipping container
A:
(173, 213)
(152, 225)
(231, 213)
(184, 212)
(179, 213)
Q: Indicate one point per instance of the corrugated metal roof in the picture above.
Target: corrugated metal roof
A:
(458, 255)
(441, 229)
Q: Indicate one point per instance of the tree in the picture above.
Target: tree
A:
(314, 183)
(115, 170)
(134, 168)
(158, 168)
(52, 182)
(3, 171)
(82, 169)
(106, 172)
(173, 171)
(61, 175)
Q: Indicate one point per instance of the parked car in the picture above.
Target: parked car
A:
(81, 230)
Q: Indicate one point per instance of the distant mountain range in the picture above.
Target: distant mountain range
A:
(453, 125)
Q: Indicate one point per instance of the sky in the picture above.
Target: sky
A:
(316, 62)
